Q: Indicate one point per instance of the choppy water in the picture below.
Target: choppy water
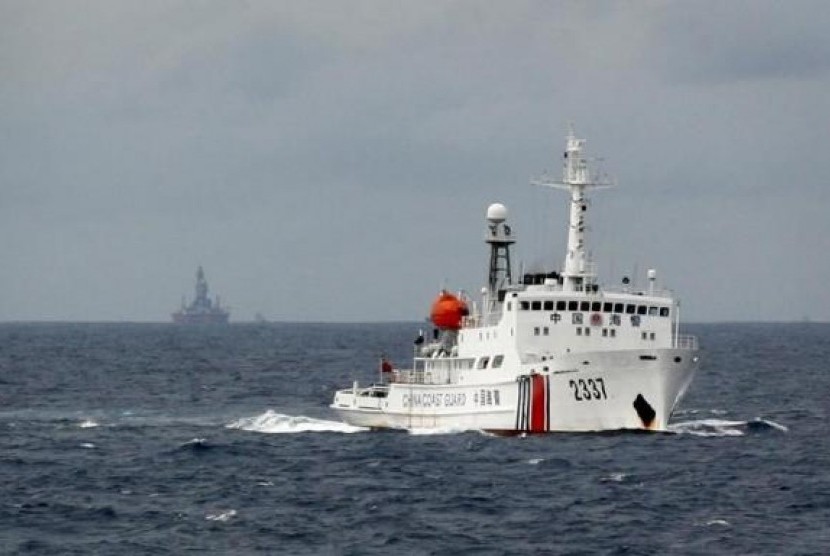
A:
(152, 439)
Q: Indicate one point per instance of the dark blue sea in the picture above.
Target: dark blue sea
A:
(156, 439)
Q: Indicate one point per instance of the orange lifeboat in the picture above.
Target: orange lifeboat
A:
(448, 311)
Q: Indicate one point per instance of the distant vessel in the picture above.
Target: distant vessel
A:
(202, 310)
(554, 352)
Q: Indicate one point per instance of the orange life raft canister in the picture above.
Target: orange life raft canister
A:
(447, 311)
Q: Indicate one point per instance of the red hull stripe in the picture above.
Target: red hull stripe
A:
(538, 407)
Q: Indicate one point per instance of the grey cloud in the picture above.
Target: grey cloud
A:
(722, 42)
(314, 156)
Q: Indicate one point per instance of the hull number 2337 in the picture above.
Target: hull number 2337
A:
(589, 389)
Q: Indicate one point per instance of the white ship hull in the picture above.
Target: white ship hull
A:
(631, 389)
(555, 351)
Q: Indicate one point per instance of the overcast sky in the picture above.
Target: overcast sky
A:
(334, 160)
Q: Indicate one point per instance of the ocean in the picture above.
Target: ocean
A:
(157, 439)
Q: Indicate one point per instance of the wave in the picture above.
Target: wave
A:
(221, 516)
(195, 445)
(721, 427)
(272, 422)
(696, 411)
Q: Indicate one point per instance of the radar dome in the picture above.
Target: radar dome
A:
(496, 213)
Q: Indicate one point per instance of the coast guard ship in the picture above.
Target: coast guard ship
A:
(554, 351)
(202, 310)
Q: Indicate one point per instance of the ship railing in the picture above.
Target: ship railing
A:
(685, 342)
(412, 376)
(471, 321)
(656, 292)
(418, 376)
(475, 321)
(478, 321)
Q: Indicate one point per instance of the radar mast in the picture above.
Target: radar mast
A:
(499, 237)
(579, 273)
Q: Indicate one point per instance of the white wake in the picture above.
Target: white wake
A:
(272, 422)
(722, 427)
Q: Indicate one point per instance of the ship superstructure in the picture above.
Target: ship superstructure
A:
(202, 310)
(554, 351)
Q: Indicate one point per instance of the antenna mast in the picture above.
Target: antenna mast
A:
(579, 273)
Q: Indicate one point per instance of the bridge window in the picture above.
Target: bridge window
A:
(524, 305)
(548, 306)
(653, 311)
(664, 311)
(573, 305)
(482, 363)
(618, 307)
(497, 360)
(630, 309)
(585, 306)
(536, 305)
(560, 305)
(607, 307)
(642, 310)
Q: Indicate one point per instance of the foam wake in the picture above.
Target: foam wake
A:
(722, 427)
(272, 422)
